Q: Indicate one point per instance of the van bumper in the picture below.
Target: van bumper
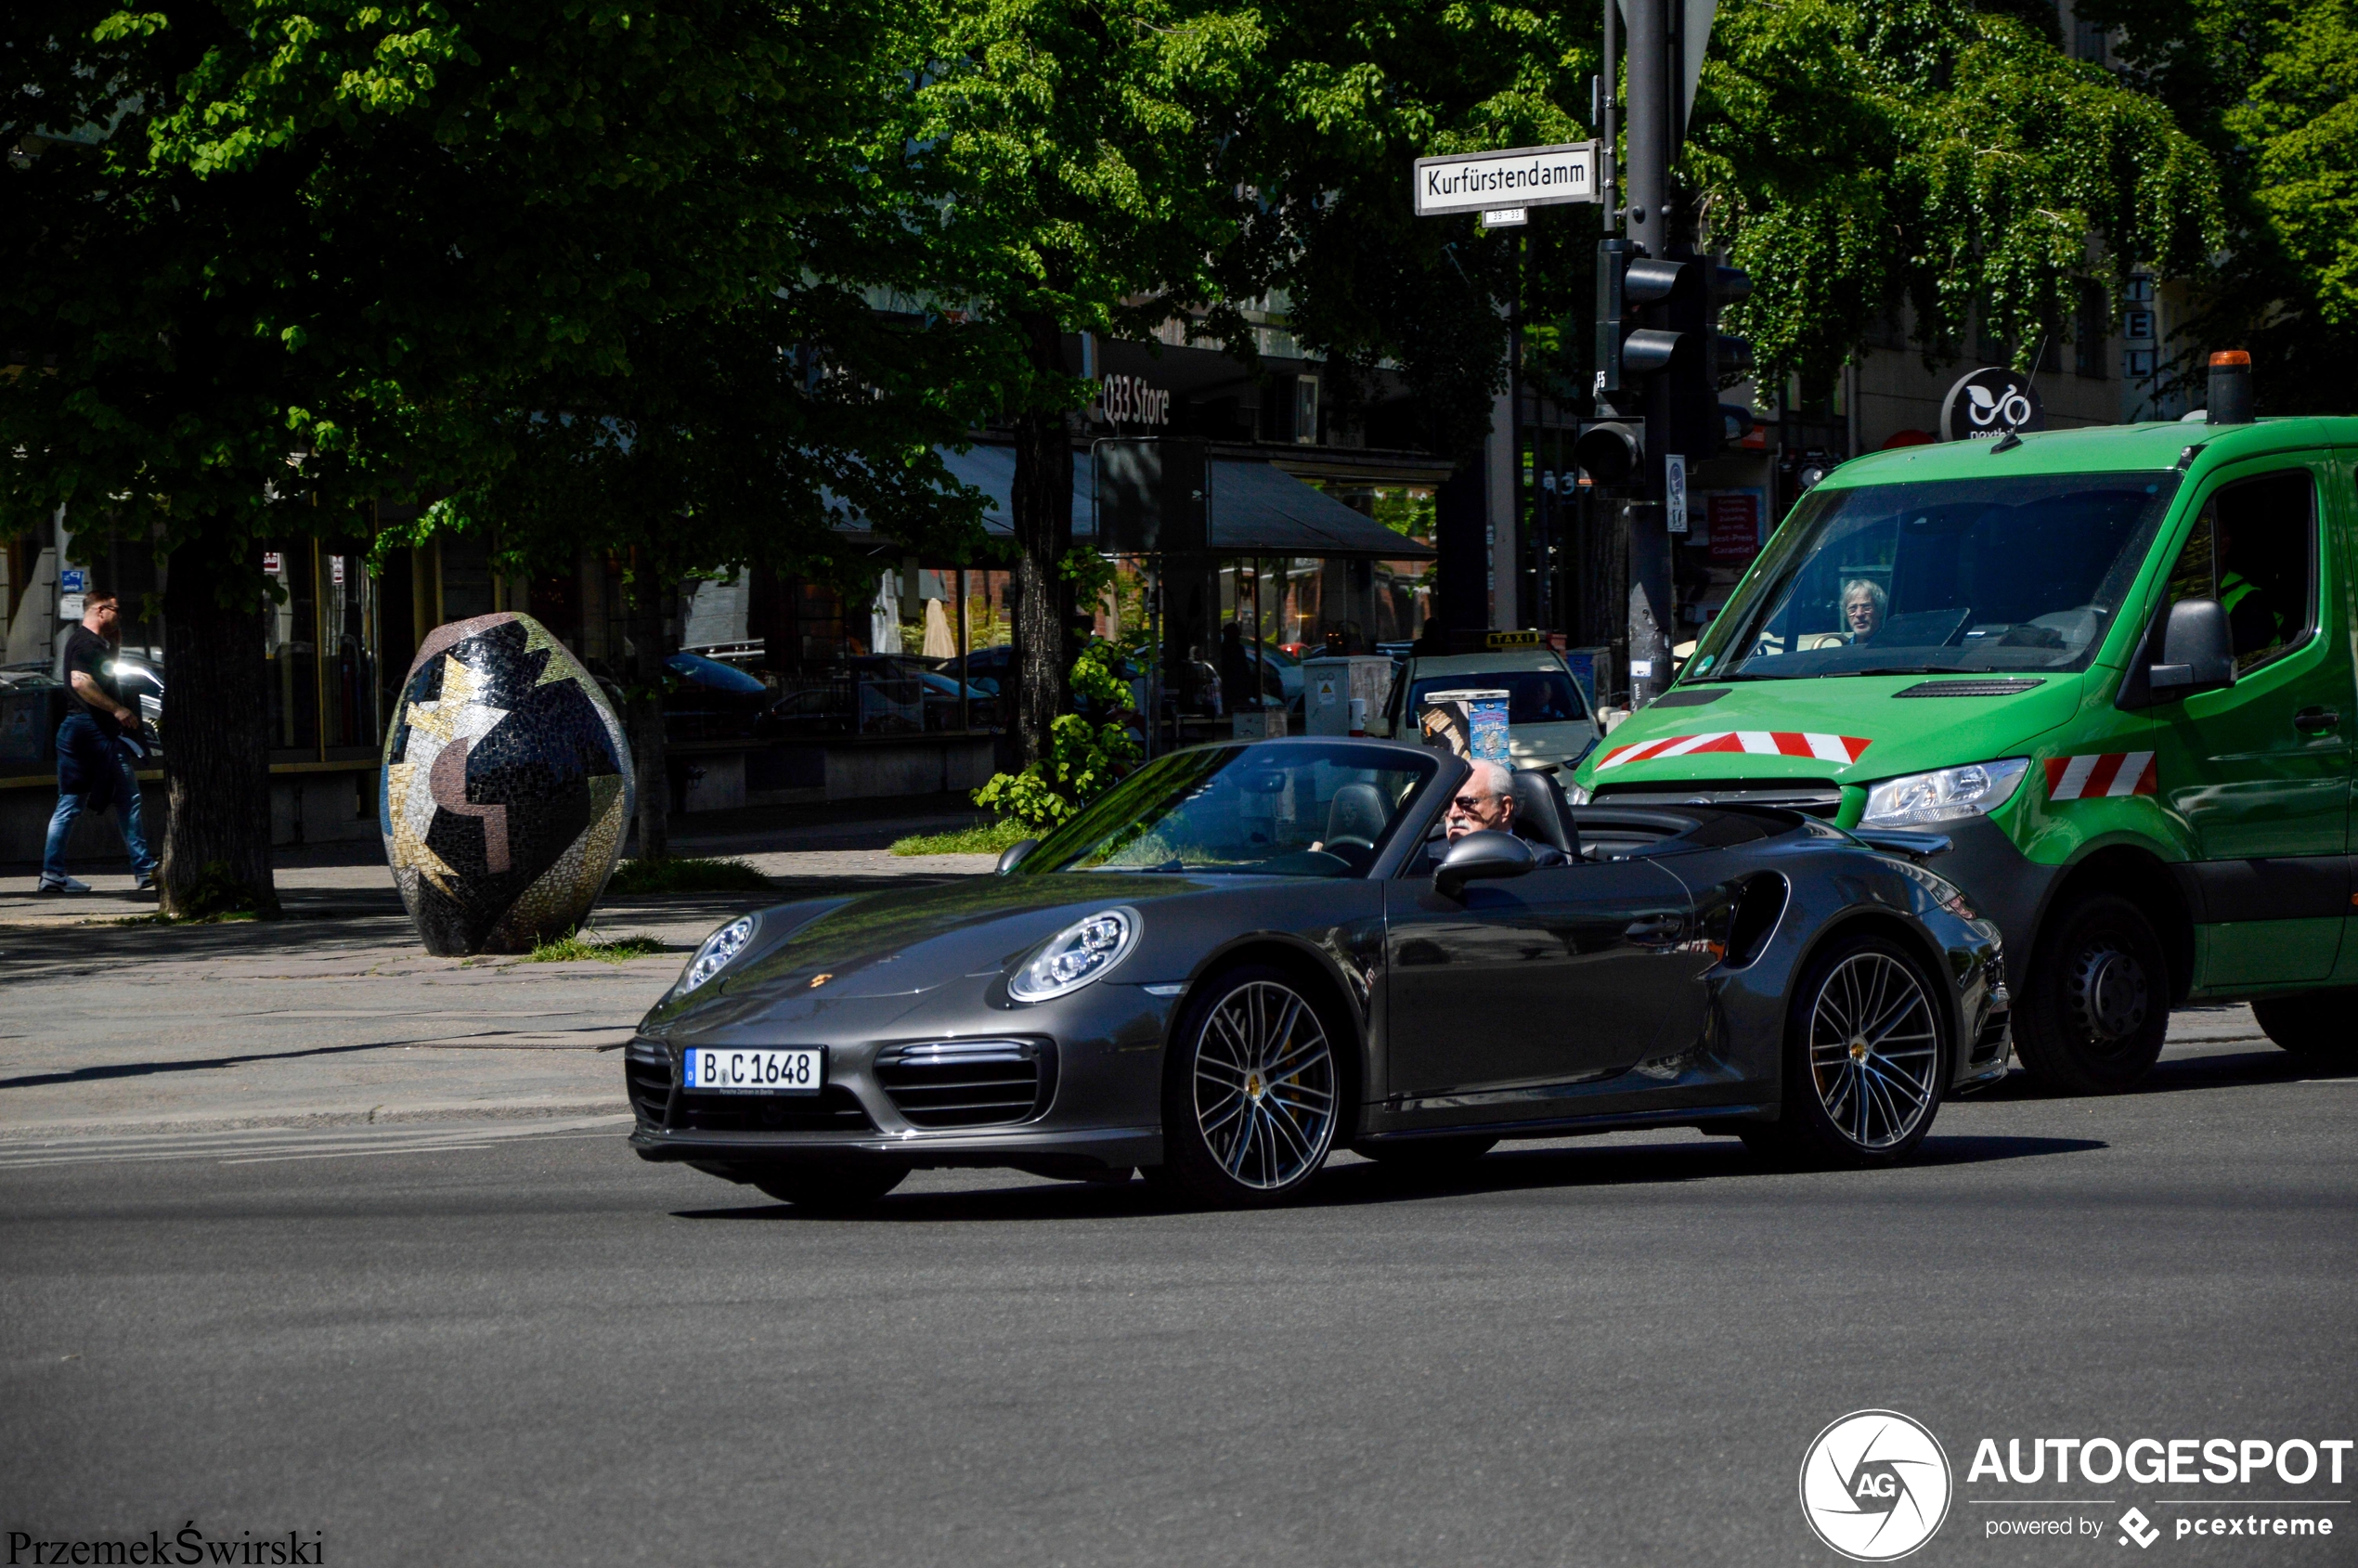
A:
(2000, 882)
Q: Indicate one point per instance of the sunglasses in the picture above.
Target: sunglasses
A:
(1472, 803)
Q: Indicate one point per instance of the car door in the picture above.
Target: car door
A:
(2261, 770)
(1564, 974)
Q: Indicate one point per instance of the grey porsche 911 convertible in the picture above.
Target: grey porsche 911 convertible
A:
(1248, 955)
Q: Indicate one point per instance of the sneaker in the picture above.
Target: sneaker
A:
(144, 883)
(61, 884)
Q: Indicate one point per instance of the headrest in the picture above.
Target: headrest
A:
(1357, 812)
(1540, 815)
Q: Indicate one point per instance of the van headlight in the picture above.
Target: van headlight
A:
(1945, 795)
(715, 955)
(1578, 795)
(1074, 956)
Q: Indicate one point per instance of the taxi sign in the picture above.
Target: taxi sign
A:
(1525, 638)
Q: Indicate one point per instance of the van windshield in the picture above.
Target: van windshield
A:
(1969, 575)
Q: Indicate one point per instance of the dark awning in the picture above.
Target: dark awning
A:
(1257, 508)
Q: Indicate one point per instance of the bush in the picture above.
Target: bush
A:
(1084, 761)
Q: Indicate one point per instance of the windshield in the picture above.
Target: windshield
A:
(1273, 811)
(1533, 697)
(2004, 574)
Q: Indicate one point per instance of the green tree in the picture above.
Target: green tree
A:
(1081, 153)
(272, 259)
(2271, 88)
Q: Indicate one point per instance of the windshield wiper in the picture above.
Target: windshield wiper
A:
(1906, 670)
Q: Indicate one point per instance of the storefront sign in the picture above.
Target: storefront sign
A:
(1735, 526)
(1129, 400)
(1511, 178)
(1988, 403)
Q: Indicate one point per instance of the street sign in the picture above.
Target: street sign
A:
(1674, 491)
(73, 580)
(1484, 182)
(1505, 217)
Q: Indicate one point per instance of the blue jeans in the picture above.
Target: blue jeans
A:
(53, 860)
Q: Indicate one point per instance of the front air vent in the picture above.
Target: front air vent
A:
(967, 1083)
(1967, 688)
(833, 1110)
(646, 1075)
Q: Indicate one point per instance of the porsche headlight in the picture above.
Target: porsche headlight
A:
(1944, 794)
(714, 957)
(1074, 956)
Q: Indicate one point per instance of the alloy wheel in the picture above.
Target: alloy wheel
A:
(1874, 1051)
(1265, 1085)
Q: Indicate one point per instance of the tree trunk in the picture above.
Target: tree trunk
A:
(216, 760)
(1041, 501)
(645, 717)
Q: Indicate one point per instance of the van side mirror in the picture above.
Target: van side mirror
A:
(1480, 857)
(2198, 651)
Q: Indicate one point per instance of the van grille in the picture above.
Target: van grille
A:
(966, 1083)
(1816, 798)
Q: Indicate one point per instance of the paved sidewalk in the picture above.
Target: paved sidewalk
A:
(334, 1016)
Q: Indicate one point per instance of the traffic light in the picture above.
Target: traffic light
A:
(1626, 284)
(1698, 425)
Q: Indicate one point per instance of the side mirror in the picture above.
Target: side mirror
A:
(2197, 651)
(1013, 855)
(1480, 857)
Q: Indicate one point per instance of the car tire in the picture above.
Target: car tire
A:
(2321, 1028)
(2096, 1000)
(1421, 1156)
(1253, 1089)
(1866, 1059)
(832, 1189)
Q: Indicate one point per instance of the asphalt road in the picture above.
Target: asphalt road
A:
(531, 1348)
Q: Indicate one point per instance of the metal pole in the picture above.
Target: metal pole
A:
(966, 707)
(1514, 408)
(1608, 92)
(1650, 41)
(1154, 694)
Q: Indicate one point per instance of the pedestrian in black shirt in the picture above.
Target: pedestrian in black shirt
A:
(94, 766)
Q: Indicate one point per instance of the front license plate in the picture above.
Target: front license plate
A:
(750, 1071)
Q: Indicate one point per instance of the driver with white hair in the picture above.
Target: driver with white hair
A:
(1486, 801)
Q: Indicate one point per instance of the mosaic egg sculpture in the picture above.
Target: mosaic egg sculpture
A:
(506, 787)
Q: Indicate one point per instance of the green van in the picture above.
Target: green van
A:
(2113, 667)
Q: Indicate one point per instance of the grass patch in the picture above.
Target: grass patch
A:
(573, 947)
(991, 839)
(676, 874)
(222, 917)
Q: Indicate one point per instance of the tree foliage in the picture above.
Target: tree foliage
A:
(1851, 153)
(2271, 88)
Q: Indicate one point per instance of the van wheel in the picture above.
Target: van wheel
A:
(2320, 1028)
(2097, 1002)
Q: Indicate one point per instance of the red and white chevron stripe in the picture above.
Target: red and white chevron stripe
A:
(1753, 743)
(2108, 773)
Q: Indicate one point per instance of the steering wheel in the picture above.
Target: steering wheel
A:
(1367, 844)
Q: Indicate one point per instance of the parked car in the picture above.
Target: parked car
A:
(1243, 958)
(1547, 723)
(705, 700)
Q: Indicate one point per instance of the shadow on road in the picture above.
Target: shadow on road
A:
(2222, 1069)
(1507, 1170)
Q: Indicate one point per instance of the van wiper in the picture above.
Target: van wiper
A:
(1908, 669)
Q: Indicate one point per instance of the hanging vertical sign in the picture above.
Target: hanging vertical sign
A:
(1674, 491)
